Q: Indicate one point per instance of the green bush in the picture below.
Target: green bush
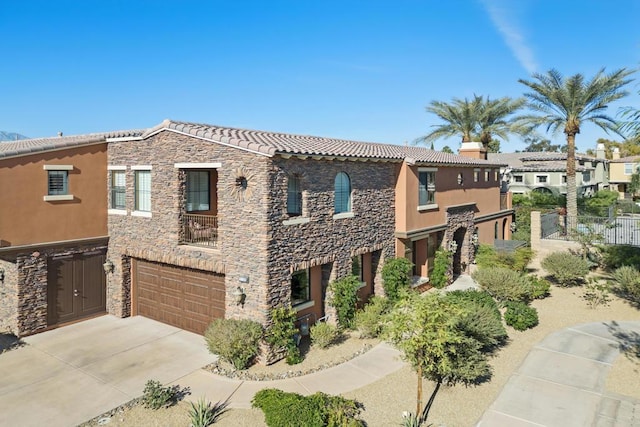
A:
(485, 256)
(567, 269)
(235, 341)
(281, 333)
(369, 320)
(323, 334)
(155, 396)
(503, 284)
(614, 256)
(203, 413)
(521, 258)
(488, 256)
(396, 275)
(627, 279)
(480, 319)
(344, 297)
(538, 287)
(282, 409)
(520, 316)
(439, 277)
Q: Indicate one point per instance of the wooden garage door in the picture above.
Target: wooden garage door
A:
(186, 298)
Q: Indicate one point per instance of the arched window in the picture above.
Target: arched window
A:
(294, 196)
(342, 198)
(495, 230)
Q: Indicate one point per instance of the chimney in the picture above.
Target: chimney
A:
(600, 151)
(474, 150)
(60, 134)
(616, 154)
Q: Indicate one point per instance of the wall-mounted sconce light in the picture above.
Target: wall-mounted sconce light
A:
(513, 227)
(460, 179)
(453, 246)
(475, 238)
(1, 274)
(243, 279)
(239, 296)
(108, 267)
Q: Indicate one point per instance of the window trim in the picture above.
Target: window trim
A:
(199, 191)
(632, 168)
(137, 211)
(349, 207)
(112, 207)
(515, 181)
(546, 178)
(297, 210)
(476, 174)
(433, 205)
(58, 197)
(299, 304)
(487, 175)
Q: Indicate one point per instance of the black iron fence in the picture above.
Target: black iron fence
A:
(611, 230)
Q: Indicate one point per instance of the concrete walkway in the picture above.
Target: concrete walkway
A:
(562, 381)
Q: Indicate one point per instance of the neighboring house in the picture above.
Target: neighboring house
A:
(53, 230)
(621, 171)
(206, 222)
(547, 172)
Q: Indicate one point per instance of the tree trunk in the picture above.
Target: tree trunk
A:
(427, 408)
(419, 397)
(572, 195)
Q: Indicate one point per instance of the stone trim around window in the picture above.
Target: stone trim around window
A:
(141, 214)
(297, 220)
(428, 207)
(58, 198)
(304, 305)
(343, 215)
(117, 211)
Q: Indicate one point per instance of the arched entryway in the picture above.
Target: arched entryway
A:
(505, 229)
(459, 238)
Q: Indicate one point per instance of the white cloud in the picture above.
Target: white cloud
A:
(506, 23)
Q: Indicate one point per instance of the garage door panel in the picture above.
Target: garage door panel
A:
(182, 297)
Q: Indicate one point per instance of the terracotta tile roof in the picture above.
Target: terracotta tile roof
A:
(275, 143)
(30, 146)
(628, 159)
(539, 161)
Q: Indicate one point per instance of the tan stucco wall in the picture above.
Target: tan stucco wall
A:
(485, 195)
(25, 218)
(616, 172)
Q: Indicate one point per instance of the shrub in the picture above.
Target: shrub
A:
(596, 293)
(344, 298)
(282, 409)
(488, 256)
(155, 396)
(477, 298)
(520, 316)
(538, 287)
(503, 284)
(614, 256)
(439, 277)
(567, 269)
(203, 413)
(235, 341)
(521, 258)
(369, 320)
(396, 275)
(281, 333)
(323, 334)
(628, 282)
(485, 256)
(480, 322)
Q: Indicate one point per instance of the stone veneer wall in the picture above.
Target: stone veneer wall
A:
(457, 217)
(324, 239)
(9, 297)
(242, 219)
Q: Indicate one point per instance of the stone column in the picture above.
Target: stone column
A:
(536, 230)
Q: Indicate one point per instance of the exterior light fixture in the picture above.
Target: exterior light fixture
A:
(239, 296)
(475, 238)
(453, 246)
(513, 227)
(108, 267)
(243, 279)
(460, 179)
(1, 274)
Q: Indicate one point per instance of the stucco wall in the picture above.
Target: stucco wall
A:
(23, 183)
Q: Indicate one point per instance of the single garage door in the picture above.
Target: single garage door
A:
(183, 297)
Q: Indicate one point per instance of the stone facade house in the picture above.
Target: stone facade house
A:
(53, 230)
(546, 172)
(193, 222)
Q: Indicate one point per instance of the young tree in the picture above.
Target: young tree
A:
(565, 103)
(535, 145)
(447, 149)
(426, 329)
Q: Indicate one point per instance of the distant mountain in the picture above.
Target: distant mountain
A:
(11, 136)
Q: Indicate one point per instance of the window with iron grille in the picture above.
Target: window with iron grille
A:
(58, 182)
(294, 196)
(118, 189)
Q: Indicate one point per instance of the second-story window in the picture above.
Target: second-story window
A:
(118, 189)
(628, 168)
(143, 190)
(426, 187)
(294, 196)
(342, 198)
(58, 182)
(197, 191)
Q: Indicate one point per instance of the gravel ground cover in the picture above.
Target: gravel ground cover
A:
(385, 400)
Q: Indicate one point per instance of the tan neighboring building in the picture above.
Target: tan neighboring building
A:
(53, 230)
(621, 171)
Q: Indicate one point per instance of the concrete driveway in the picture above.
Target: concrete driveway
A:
(69, 375)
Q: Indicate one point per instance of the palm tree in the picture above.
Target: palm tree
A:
(566, 103)
(478, 118)
(460, 118)
(495, 119)
(631, 123)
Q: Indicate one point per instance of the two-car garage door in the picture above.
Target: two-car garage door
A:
(183, 297)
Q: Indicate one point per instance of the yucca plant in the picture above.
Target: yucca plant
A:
(203, 413)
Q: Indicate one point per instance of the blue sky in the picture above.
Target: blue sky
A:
(362, 70)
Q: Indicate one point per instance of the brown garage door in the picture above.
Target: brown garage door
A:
(186, 298)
